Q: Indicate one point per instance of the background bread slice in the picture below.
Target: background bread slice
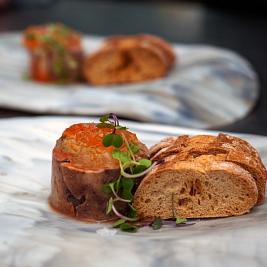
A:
(235, 150)
(143, 40)
(129, 59)
(203, 188)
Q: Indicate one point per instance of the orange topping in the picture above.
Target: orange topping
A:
(90, 135)
(49, 36)
(81, 146)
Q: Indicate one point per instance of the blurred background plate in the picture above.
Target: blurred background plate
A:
(32, 235)
(208, 87)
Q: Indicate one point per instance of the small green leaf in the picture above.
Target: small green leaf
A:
(180, 220)
(145, 162)
(104, 118)
(127, 227)
(157, 223)
(118, 223)
(117, 184)
(123, 157)
(127, 186)
(46, 38)
(107, 140)
(109, 205)
(120, 127)
(117, 140)
(139, 169)
(132, 212)
(134, 148)
(116, 153)
(105, 125)
(112, 140)
(111, 186)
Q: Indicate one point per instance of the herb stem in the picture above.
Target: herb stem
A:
(115, 119)
(121, 199)
(122, 216)
(117, 197)
(127, 175)
(128, 146)
(130, 164)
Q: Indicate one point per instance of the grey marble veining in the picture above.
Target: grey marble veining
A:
(207, 87)
(32, 235)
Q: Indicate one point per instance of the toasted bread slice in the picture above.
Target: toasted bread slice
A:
(235, 150)
(204, 188)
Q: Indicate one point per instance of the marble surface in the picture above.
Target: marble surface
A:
(207, 87)
(32, 235)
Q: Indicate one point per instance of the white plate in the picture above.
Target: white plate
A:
(207, 87)
(32, 235)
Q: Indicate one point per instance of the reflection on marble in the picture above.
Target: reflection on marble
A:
(32, 235)
(207, 87)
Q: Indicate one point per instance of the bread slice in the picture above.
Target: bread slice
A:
(235, 150)
(81, 166)
(125, 59)
(203, 188)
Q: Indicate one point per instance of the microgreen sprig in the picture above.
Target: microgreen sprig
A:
(158, 222)
(111, 121)
(130, 168)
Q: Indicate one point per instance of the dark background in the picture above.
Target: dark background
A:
(238, 26)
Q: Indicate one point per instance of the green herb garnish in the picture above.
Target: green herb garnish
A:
(124, 226)
(180, 220)
(157, 224)
(128, 227)
(112, 140)
(118, 223)
(109, 205)
(130, 168)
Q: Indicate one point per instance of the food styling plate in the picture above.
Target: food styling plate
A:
(207, 87)
(33, 235)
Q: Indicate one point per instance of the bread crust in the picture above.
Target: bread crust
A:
(142, 40)
(232, 149)
(124, 59)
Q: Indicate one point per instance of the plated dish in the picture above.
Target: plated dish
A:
(55, 51)
(102, 172)
(206, 87)
(57, 56)
(32, 233)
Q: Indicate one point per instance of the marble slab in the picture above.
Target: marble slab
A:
(32, 235)
(207, 87)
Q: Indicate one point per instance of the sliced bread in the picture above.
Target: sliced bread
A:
(202, 188)
(125, 59)
(234, 149)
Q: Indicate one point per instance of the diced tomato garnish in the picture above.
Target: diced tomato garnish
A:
(38, 72)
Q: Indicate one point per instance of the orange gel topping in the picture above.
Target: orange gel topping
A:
(82, 146)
